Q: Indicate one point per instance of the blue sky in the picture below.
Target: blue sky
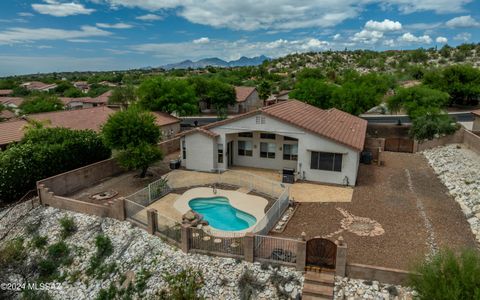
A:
(61, 35)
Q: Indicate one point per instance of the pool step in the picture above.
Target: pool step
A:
(318, 285)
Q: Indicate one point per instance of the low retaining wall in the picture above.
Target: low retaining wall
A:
(456, 138)
(472, 141)
(375, 273)
(170, 146)
(74, 180)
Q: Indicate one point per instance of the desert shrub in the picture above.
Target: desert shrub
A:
(184, 284)
(45, 152)
(31, 228)
(57, 254)
(13, 252)
(39, 241)
(448, 276)
(31, 294)
(104, 249)
(107, 294)
(249, 285)
(68, 227)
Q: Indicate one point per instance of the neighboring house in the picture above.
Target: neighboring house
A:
(169, 125)
(38, 86)
(86, 102)
(12, 102)
(82, 86)
(476, 121)
(6, 93)
(246, 100)
(108, 83)
(278, 97)
(88, 118)
(7, 115)
(320, 145)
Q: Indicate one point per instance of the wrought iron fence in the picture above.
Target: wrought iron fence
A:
(280, 250)
(169, 228)
(273, 214)
(205, 242)
(136, 212)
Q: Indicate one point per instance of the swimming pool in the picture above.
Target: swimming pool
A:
(221, 215)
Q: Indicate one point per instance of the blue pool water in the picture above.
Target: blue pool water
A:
(221, 215)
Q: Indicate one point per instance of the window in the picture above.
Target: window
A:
(267, 136)
(245, 148)
(267, 150)
(184, 150)
(290, 151)
(245, 134)
(220, 153)
(260, 119)
(326, 161)
(287, 138)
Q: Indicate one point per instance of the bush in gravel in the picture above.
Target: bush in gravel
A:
(104, 249)
(68, 227)
(39, 241)
(279, 281)
(184, 284)
(249, 285)
(12, 253)
(448, 276)
(31, 294)
(31, 228)
(57, 254)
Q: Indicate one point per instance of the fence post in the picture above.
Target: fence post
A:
(248, 246)
(301, 253)
(149, 193)
(185, 238)
(341, 259)
(118, 209)
(151, 220)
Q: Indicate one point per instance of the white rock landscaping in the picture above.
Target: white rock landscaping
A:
(353, 289)
(459, 170)
(134, 250)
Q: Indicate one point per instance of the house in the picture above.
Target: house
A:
(82, 86)
(86, 102)
(38, 86)
(476, 120)
(246, 99)
(7, 115)
(320, 145)
(278, 97)
(11, 102)
(6, 93)
(89, 118)
(169, 125)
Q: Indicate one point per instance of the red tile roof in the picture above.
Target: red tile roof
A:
(6, 114)
(6, 92)
(243, 92)
(13, 100)
(200, 130)
(103, 98)
(11, 131)
(333, 124)
(163, 119)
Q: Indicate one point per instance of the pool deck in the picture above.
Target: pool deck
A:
(251, 204)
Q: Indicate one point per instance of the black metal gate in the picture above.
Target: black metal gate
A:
(321, 253)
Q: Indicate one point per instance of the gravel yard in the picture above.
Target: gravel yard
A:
(417, 214)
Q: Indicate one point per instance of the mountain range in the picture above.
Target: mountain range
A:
(217, 62)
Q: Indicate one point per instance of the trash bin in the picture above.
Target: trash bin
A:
(366, 157)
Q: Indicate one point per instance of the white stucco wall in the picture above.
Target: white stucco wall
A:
(476, 124)
(170, 130)
(200, 152)
(307, 142)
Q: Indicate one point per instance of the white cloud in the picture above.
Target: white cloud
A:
(20, 35)
(149, 17)
(389, 43)
(462, 22)
(336, 37)
(282, 14)
(203, 40)
(367, 36)
(441, 40)
(57, 9)
(385, 25)
(410, 38)
(114, 26)
(25, 14)
(228, 50)
(464, 36)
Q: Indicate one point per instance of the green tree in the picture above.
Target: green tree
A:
(168, 95)
(315, 73)
(123, 96)
(41, 103)
(448, 276)
(264, 89)
(432, 123)
(134, 134)
(315, 92)
(411, 99)
(220, 94)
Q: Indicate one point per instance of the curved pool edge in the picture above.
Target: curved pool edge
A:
(251, 204)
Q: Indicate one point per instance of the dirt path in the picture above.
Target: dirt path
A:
(407, 200)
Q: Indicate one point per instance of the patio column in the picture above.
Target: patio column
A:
(301, 253)
(248, 246)
(341, 259)
(151, 220)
